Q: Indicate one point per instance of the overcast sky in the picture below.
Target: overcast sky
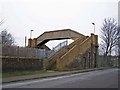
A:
(45, 15)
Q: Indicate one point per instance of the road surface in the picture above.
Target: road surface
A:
(95, 79)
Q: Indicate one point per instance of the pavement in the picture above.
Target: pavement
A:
(44, 75)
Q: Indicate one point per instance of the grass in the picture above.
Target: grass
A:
(22, 73)
(0, 75)
(13, 74)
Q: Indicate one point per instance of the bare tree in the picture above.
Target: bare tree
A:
(109, 35)
(118, 43)
(1, 22)
(6, 38)
(101, 50)
(119, 46)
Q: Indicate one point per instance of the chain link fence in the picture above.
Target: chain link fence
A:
(109, 61)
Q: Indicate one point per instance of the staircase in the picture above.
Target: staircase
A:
(62, 59)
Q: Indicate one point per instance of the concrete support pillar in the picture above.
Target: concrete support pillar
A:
(94, 50)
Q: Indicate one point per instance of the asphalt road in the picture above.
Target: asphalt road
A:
(95, 79)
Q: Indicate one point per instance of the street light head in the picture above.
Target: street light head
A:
(94, 27)
(31, 33)
(93, 23)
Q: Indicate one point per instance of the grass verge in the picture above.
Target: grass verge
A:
(0, 75)
(12, 74)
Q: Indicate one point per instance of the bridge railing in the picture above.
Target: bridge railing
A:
(56, 48)
(60, 45)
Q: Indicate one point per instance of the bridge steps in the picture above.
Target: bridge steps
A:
(64, 58)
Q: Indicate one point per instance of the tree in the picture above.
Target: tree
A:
(101, 50)
(6, 38)
(1, 22)
(109, 35)
(118, 43)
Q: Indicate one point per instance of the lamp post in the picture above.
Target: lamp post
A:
(31, 33)
(94, 27)
(25, 40)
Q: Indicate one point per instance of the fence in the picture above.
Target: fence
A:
(110, 62)
(16, 51)
(15, 58)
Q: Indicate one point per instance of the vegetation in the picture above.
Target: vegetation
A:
(7, 38)
(118, 43)
(12, 74)
(0, 75)
(109, 36)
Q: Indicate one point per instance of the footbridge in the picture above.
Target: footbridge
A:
(41, 40)
(81, 53)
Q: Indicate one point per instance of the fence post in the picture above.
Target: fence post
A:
(60, 46)
(66, 42)
(18, 53)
